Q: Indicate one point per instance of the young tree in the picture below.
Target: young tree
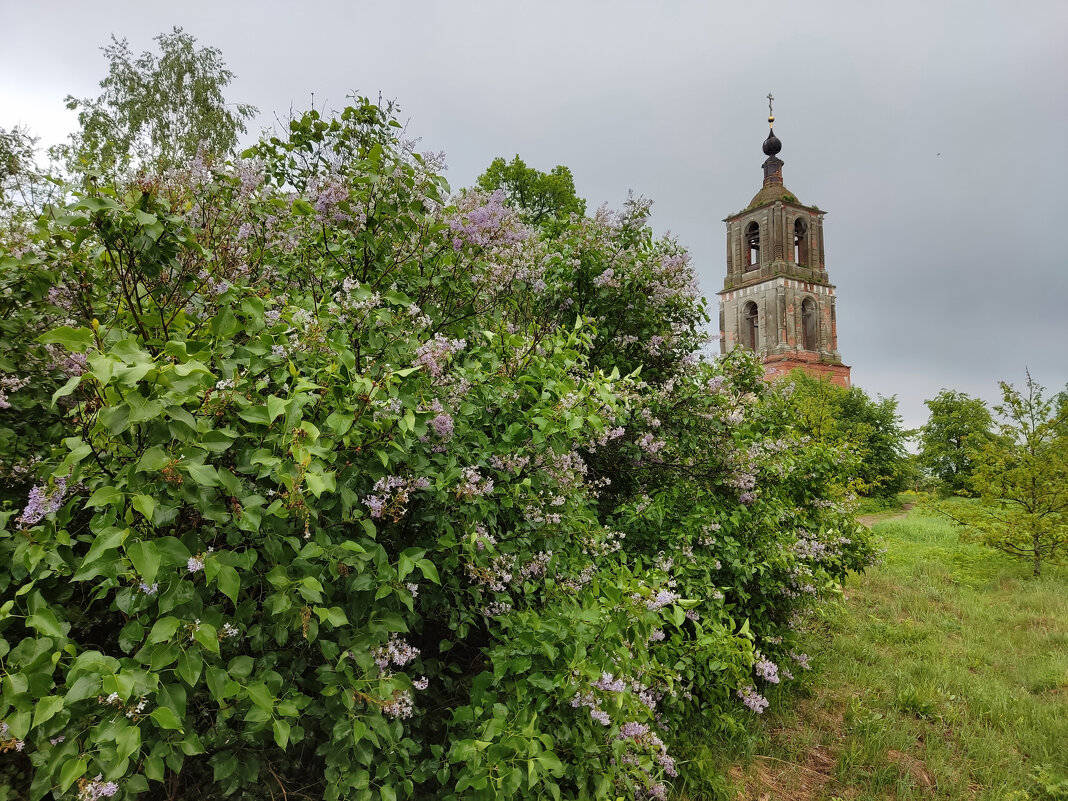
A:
(957, 424)
(1021, 479)
(542, 197)
(156, 109)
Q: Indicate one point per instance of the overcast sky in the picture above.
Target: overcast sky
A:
(931, 132)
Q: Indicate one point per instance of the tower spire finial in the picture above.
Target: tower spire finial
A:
(771, 114)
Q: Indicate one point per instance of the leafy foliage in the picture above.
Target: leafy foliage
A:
(1021, 478)
(542, 198)
(156, 109)
(956, 424)
(869, 430)
(319, 488)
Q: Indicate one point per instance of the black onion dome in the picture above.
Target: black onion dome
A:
(772, 145)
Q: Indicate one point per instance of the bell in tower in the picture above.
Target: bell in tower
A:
(777, 300)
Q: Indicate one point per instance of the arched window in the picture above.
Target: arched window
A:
(752, 246)
(751, 326)
(809, 318)
(800, 242)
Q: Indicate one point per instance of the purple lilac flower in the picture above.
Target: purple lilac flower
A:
(662, 599)
(42, 502)
(96, 789)
(396, 651)
(401, 706)
(754, 700)
(767, 670)
(609, 684)
(433, 353)
(442, 425)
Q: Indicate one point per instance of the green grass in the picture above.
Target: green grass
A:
(942, 675)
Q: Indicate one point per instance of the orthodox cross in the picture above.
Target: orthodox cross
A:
(770, 112)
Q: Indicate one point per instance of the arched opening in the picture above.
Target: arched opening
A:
(752, 246)
(800, 241)
(809, 318)
(751, 326)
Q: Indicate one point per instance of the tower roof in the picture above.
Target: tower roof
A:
(773, 188)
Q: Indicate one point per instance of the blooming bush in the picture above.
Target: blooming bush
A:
(335, 496)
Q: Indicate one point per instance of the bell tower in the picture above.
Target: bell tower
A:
(776, 298)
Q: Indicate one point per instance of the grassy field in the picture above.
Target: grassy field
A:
(943, 674)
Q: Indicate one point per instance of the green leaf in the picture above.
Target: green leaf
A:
(75, 340)
(111, 537)
(166, 718)
(281, 732)
(275, 407)
(429, 571)
(228, 582)
(255, 414)
(261, 696)
(208, 636)
(145, 558)
(72, 769)
(105, 496)
(155, 458)
(47, 708)
(46, 622)
(204, 474)
(146, 505)
(127, 741)
(163, 629)
(320, 482)
(190, 663)
(66, 389)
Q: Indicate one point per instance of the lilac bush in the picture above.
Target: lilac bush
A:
(359, 490)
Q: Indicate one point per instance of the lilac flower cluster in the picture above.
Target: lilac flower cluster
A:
(650, 444)
(396, 652)
(442, 424)
(484, 220)
(354, 301)
(9, 384)
(512, 463)
(607, 278)
(42, 502)
(536, 566)
(391, 493)
(326, 194)
(609, 684)
(400, 706)
(588, 700)
(660, 600)
(94, 789)
(496, 609)
(642, 735)
(499, 574)
(473, 484)
(754, 700)
(433, 353)
(766, 669)
(65, 362)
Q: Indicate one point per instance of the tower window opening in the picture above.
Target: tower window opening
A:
(752, 242)
(800, 242)
(751, 326)
(809, 339)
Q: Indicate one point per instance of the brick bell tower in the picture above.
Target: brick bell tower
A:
(777, 299)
